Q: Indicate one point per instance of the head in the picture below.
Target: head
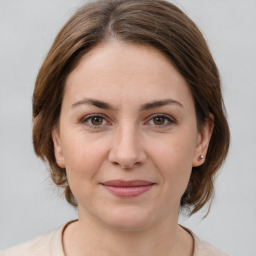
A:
(147, 24)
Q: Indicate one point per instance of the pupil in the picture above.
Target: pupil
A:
(97, 120)
(159, 120)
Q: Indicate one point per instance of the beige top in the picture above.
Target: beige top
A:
(50, 244)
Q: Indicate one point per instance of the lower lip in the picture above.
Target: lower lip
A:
(128, 191)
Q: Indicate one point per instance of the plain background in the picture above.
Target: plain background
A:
(30, 205)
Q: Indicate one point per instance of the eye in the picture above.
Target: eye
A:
(94, 121)
(160, 120)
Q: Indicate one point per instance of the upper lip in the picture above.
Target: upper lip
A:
(127, 183)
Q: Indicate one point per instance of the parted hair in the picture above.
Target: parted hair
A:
(152, 22)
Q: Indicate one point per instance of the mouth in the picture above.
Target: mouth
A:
(131, 188)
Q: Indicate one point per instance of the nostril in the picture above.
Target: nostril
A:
(115, 163)
(130, 166)
(126, 166)
(127, 153)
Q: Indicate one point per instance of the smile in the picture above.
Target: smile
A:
(131, 188)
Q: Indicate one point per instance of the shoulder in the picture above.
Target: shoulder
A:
(44, 245)
(203, 248)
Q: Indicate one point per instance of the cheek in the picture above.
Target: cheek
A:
(173, 157)
(83, 157)
(175, 150)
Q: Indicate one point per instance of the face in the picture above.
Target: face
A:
(128, 136)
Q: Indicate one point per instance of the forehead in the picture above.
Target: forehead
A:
(125, 70)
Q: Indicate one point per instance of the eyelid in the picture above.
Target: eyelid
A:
(170, 120)
(85, 119)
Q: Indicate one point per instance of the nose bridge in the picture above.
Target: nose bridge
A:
(127, 149)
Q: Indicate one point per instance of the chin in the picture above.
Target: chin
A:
(128, 218)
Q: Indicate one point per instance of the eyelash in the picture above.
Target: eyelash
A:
(88, 119)
(166, 118)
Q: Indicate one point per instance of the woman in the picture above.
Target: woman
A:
(128, 113)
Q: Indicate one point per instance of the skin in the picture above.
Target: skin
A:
(128, 142)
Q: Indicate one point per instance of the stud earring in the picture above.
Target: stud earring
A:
(201, 157)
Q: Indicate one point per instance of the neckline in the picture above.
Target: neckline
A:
(62, 230)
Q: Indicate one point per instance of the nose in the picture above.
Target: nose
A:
(126, 150)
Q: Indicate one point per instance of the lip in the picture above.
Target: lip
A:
(129, 188)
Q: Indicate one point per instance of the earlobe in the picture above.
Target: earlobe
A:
(203, 141)
(58, 152)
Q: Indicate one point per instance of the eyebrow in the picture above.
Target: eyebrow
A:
(144, 107)
(93, 102)
(159, 103)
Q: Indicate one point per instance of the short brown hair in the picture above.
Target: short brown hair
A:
(154, 22)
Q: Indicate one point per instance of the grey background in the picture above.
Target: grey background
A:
(30, 205)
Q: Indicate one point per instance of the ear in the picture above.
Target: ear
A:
(58, 152)
(203, 140)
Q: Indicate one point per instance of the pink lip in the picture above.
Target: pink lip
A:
(130, 188)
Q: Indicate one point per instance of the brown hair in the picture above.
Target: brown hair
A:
(154, 22)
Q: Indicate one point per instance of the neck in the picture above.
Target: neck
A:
(87, 236)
